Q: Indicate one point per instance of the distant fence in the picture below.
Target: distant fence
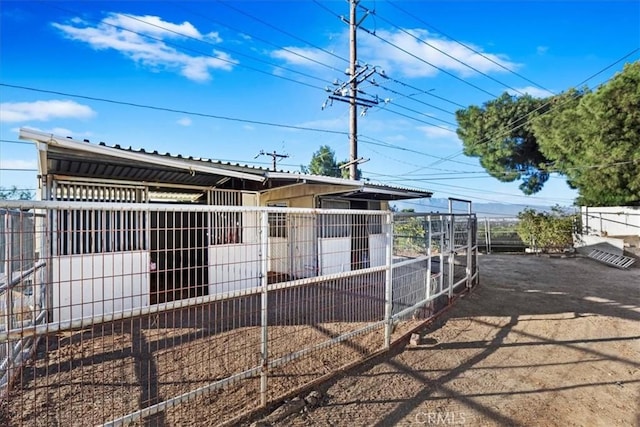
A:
(172, 315)
(610, 221)
(499, 235)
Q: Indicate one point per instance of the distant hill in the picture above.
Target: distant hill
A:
(481, 209)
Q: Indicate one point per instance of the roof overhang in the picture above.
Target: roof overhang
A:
(312, 179)
(352, 189)
(70, 157)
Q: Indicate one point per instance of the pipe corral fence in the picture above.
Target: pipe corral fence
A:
(499, 234)
(138, 314)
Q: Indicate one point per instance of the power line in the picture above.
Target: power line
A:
(211, 44)
(526, 119)
(218, 117)
(373, 33)
(473, 190)
(428, 93)
(182, 47)
(173, 110)
(394, 4)
(237, 119)
(241, 54)
(315, 61)
(254, 37)
(421, 121)
(441, 51)
(226, 4)
(426, 115)
(274, 156)
(456, 172)
(378, 142)
(413, 88)
(411, 97)
(330, 67)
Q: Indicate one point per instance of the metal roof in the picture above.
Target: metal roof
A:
(353, 189)
(71, 157)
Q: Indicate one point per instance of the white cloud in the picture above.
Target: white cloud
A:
(309, 57)
(399, 63)
(531, 90)
(414, 64)
(153, 25)
(152, 53)
(185, 121)
(439, 132)
(541, 50)
(43, 111)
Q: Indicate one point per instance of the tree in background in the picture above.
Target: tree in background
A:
(323, 162)
(14, 193)
(500, 134)
(547, 231)
(593, 138)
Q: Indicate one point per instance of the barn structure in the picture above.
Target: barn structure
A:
(132, 258)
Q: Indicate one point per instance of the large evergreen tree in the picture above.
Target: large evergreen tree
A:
(595, 141)
(500, 134)
(323, 162)
(593, 138)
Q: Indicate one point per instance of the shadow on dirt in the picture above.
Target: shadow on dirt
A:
(520, 289)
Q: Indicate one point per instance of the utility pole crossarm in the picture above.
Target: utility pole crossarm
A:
(274, 156)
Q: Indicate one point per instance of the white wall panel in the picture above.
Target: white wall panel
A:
(335, 255)
(377, 250)
(93, 284)
(233, 267)
(279, 254)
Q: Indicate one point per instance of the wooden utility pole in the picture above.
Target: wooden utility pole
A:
(347, 92)
(353, 91)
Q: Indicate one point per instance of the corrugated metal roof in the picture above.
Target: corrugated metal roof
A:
(205, 160)
(67, 156)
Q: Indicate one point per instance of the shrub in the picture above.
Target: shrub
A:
(547, 231)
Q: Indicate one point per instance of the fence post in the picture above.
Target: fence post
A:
(264, 335)
(429, 254)
(487, 230)
(452, 253)
(477, 255)
(441, 254)
(388, 283)
(469, 247)
(8, 309)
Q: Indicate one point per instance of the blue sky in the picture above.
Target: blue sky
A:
(246, 67)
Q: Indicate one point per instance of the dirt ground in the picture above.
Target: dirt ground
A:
(543, 341)
(92, 376)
